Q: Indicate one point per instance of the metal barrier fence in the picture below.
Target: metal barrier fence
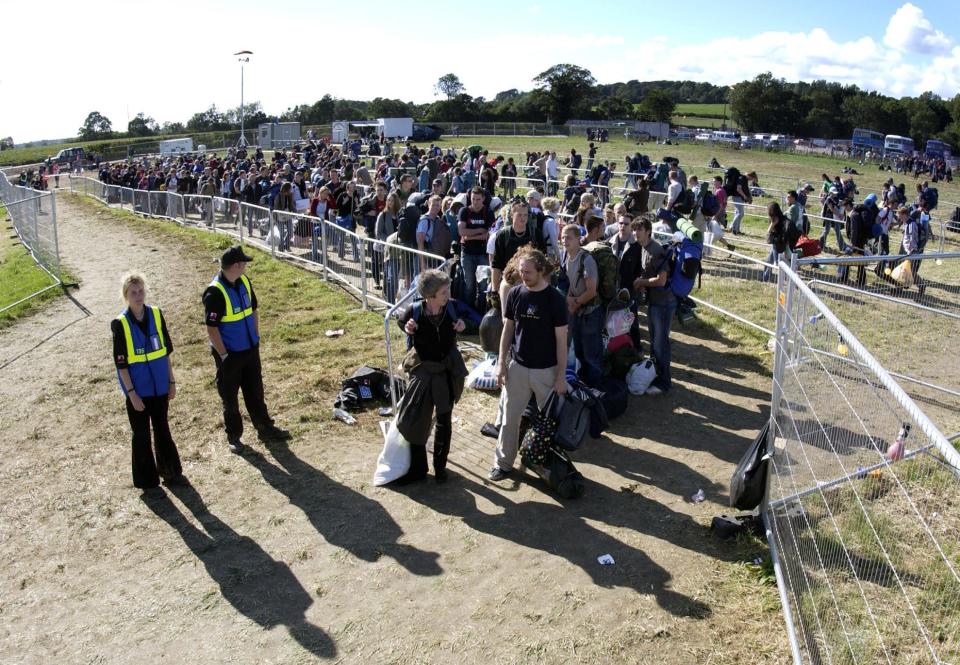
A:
(378, 273)
(910, 329)
(34, 216)
(862, 494)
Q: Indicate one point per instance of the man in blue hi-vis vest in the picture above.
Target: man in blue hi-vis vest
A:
(233, 326)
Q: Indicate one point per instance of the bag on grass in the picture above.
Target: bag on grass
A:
(573, 419)
(619, 322)
(538, 438)
(394, 460)
(749, 480)
(640, 376)
(484, 375)
(562, 476)
(903, 274)
(808, 246)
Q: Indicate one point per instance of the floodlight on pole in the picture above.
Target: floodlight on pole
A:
(243, 57)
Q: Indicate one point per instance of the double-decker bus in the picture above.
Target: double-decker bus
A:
(938, 149)
(898, 145)
(867, 139)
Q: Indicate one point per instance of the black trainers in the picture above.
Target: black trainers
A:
(178, 480)
(273, 433)
(236, 446)
(491, 430)
(440, 477)
(497, 474)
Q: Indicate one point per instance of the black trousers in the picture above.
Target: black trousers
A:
(241, 371)
(441, 448)
(148, 470)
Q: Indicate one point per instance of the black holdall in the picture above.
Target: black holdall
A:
(749, 481)
(573, 420)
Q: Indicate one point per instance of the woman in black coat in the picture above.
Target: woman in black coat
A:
(437, 374)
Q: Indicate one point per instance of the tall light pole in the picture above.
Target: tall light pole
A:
(242, 57)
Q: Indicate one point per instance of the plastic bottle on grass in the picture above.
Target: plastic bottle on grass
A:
(342, 415)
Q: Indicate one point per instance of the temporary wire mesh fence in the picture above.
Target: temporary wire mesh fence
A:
(862, 495)
(378, 273)
(34, 217)
(909, 325)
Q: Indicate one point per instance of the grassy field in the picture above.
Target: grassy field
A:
(19, 277)
(702, 109)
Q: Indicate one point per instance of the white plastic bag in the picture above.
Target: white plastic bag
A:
(484, 375)
(619, 322)
(640, 376)
(394, 460)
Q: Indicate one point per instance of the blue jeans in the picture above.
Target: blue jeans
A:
(586, 332)
(470, 262)
(347, 224)
(773, 257)
(838, 230)
(737, 214)
(659, 318)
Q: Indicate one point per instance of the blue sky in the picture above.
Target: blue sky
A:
(173, 59)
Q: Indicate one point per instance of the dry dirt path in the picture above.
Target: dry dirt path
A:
(288, 555)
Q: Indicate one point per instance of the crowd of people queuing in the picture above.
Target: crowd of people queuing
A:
(557, 251)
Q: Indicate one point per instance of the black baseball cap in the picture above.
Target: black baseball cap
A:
(234, 255)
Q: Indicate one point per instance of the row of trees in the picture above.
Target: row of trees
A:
(832, 110)
(819, 109)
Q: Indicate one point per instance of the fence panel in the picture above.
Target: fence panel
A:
(226, 214)
(34, 217)
(860, 494)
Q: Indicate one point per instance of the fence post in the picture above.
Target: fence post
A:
(56, 238)
(241, 214)
(363, 272)
(323, 247)
(273, 239)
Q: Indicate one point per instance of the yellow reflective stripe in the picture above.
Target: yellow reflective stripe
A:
(229, 315)
(132, 356)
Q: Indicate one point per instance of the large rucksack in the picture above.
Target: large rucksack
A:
(441, 239)
(710, 205)
(730, 181)
(366, 384)
(684, 268)
(685, 201)
(407, 225)
(930, 197)
(608, 270)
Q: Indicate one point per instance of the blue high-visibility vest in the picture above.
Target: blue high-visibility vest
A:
(236, 327)
(147, 358)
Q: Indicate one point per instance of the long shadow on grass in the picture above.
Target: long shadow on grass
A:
(344, 518)
(258, 586)
(561, 531)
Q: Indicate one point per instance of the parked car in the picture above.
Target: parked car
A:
(426, 132)
(703, 136)
(69, 156)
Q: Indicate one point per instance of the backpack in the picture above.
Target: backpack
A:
(608, 270)
(684, 268)
(407, 225)
(930, 197)
(417, 312)
(684, 203)
(440, 238)
(364, 385)
(710, 205)
(730, 181)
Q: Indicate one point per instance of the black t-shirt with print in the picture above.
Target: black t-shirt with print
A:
(476, 220)
(535, 314)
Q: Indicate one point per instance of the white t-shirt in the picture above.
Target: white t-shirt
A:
(673, 191)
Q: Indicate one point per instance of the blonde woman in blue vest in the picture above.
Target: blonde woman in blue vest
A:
(141, 353)
(233, 328)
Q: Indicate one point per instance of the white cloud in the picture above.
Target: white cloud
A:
(942, 76)
(910, 31)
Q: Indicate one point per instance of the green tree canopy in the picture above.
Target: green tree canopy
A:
(96, 126)
(564, 90)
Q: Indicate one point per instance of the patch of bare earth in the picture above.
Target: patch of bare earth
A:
(288, 554)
